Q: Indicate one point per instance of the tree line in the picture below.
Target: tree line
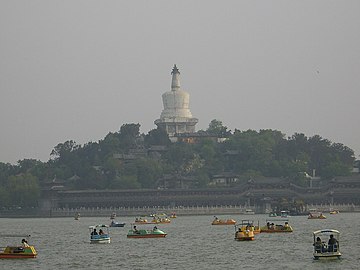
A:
(123, 160)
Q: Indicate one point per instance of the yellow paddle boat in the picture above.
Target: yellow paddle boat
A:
(217, 221)
(249, 224)
(276, 226)
(143, 221)
(160, 220)
(23, 251)
(244, 232)
(313, 215)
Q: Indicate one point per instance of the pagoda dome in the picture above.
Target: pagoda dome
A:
(176, 101)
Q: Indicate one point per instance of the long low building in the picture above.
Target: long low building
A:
(254, 192)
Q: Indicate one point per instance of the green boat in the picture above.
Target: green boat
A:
(154, 233)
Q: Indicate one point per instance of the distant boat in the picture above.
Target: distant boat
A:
(249, 212)
(276, 226)
(285, 214)
(316, 215)
(217, 221)
(117, 224)
(77, 216)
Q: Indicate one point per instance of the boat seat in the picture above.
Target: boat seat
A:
(19, 250)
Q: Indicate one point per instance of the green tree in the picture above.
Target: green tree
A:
(217, 128)
(148, 172)
(24, 190)
(157, 137)
(125, 182)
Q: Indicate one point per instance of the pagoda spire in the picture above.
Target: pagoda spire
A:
(175, 82)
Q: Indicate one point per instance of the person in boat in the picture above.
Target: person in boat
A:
(238, 232)
(135, 230)
(101, 232)
(94, 232)
(319, 246)
(155, 228)
(24, 243)
(268, 225)
(332, 243)
(286, 225)
(216, 218)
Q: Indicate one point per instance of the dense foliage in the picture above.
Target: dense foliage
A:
(127, 159)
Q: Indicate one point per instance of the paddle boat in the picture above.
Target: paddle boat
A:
(113, 215)
(334, 212)
(142, 233)
(161, 220)
(116, 224)
(314, 215)
(249, 212)
(218, 221)
(173, 215)
(276, 226)
(143, 221)
(249, 224)
(329, 248)
(99, 234)
(273, 214)
(244, 232)
(284, 214)
(23, 251)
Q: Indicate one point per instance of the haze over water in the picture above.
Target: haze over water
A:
(192, 243)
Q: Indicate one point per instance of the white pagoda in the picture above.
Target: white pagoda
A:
(176, 117)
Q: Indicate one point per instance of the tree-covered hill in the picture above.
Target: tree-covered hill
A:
(129, 160)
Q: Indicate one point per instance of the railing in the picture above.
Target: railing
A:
(138, 211)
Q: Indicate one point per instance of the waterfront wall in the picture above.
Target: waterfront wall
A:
(181, 211)
(186, 211)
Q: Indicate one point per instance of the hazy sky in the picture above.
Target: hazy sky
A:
(79, 69)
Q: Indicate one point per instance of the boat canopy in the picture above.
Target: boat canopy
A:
(98, 226)
(246, 222)
(277, 219)
(325, 231)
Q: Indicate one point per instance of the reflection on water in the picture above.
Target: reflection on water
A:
(192, 243)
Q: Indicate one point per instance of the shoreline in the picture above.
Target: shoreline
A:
(181, 211)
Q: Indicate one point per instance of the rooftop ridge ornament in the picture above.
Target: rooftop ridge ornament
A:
(175, 82)
(175, 70)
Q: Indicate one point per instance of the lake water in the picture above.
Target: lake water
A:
(192, 243)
